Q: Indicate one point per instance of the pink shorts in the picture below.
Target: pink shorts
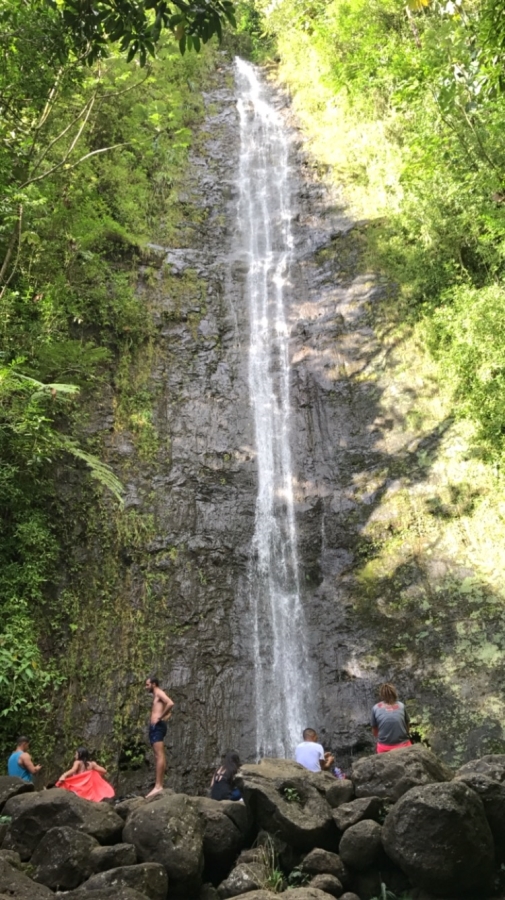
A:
(384, 748)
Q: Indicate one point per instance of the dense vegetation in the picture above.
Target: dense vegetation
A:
(92, 151)
(406, 104)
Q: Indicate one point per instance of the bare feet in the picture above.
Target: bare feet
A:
(155, 790)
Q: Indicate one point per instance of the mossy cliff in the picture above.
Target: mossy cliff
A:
(399, 522)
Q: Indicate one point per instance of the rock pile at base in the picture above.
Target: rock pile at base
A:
(403, 820)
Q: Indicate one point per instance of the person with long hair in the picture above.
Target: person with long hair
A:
(223, 785)
(390, 721)
(85, 778)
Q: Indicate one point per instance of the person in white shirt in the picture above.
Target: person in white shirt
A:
(311, 755)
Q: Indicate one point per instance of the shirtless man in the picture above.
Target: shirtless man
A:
(160, 712)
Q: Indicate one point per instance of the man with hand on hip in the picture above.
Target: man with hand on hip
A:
(161, 711)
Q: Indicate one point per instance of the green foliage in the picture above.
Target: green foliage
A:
(91, 164)
(386, 894)
(406, 104)
(291, 795)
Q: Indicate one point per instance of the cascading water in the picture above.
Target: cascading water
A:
(281, 664)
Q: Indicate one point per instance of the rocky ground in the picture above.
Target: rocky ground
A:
(403, 820)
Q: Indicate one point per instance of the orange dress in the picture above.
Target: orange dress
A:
(88, 784)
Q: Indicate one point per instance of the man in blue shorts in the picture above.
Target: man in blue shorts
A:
(161, 711)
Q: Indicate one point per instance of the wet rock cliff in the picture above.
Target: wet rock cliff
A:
(163, 585)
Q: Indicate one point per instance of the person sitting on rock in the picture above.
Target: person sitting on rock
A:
(222, 786)
(85, 778)
(20, 763)
(390, 721)
(311, 755)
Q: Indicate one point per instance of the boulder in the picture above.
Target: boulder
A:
(303, 893)
(35, 814)
(104, 858)
(208, 892)
(170, 831)
(322, 862)
(390, 775)
(439, 836)
(284, 801)
(361, 845)
(11, 857)
(119, 892)
(350, 813)
(12, 787)
(62, 858)
(349, 896)
(492, 794)
(245, 877)
(15, 884)
(492, 765)
(222, 839)
(124, 808)
(339, 791)
(329, 884)
(4, 828)
(146, 878)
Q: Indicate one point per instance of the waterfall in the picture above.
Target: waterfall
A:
(278, 632)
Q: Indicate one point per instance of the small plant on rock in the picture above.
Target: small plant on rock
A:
(297, 878)
(291, 795)
(386, 894)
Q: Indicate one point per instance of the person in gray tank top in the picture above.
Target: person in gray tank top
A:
(390, 721)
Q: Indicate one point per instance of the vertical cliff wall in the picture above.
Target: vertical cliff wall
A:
(163, 585)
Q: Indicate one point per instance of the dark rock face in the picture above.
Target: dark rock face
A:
(327, 883)
(104, 858)
(390, 775)
(222, 839)
(118, 892)
(301, 822)
(350, 813)
(439, 836)
(169, 830)
(149, 879)
(341, 790)
(361, 845)
(322, 862)
(62, 859)
(492, 765)
(35, 814)
(492, 794)
(243, 879)
(12, 787)
(15, 884)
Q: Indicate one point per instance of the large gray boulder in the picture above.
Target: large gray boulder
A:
(439, 836)
(222, 839)
(328, 884)
(35, 814)
(15, 884)
(169, 830)
(361, 845)
(146, 878)
(350, 813)
(12, 787)
(390, 775)
(62, 858)
(338, 791)
(492, 765)
(104, 858)
(118, 892)
(243, 879)
(322, 862)
(303, 893)
(492, 794)
(285, 802)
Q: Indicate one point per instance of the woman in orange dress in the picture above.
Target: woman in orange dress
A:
(85, 778)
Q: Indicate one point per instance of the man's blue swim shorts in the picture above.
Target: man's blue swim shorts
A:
(157, 732)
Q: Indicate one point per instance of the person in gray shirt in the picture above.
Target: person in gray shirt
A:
(390, 721)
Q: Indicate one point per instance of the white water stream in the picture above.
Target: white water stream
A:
(281, 663)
